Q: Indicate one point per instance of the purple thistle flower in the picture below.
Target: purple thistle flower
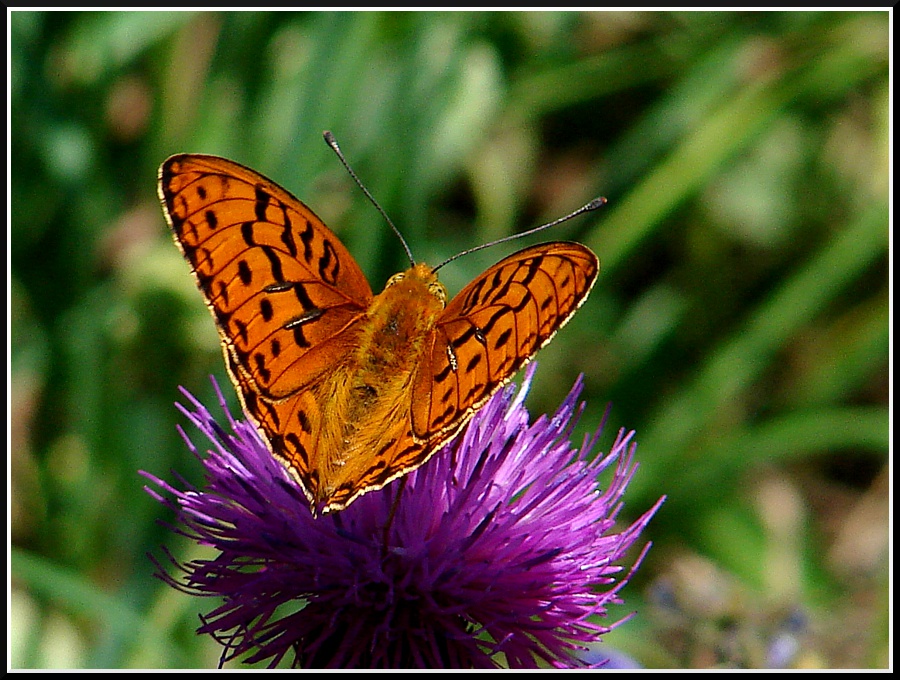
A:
(499, 552)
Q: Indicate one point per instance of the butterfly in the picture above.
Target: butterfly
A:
(351, 390)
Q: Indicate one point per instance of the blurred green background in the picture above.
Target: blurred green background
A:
(739, 324)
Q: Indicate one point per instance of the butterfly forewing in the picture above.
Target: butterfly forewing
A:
(493, 327)
(277, 280)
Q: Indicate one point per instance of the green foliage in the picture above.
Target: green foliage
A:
(740, 322)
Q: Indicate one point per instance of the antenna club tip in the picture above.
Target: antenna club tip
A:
(329, 138)
(598, 202)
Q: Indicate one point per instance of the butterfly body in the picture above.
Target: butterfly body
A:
(368, 393)
(351, 390)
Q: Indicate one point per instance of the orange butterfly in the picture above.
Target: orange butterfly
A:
(352, 390)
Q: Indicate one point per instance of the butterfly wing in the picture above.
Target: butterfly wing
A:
(493, 327)
(286, 295)
(279, 283)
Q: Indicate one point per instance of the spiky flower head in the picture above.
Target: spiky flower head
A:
(501, 551)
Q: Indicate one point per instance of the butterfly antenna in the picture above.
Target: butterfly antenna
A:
(593, 205)
(332, 142)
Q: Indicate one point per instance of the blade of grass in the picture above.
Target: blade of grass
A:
(683, 418)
